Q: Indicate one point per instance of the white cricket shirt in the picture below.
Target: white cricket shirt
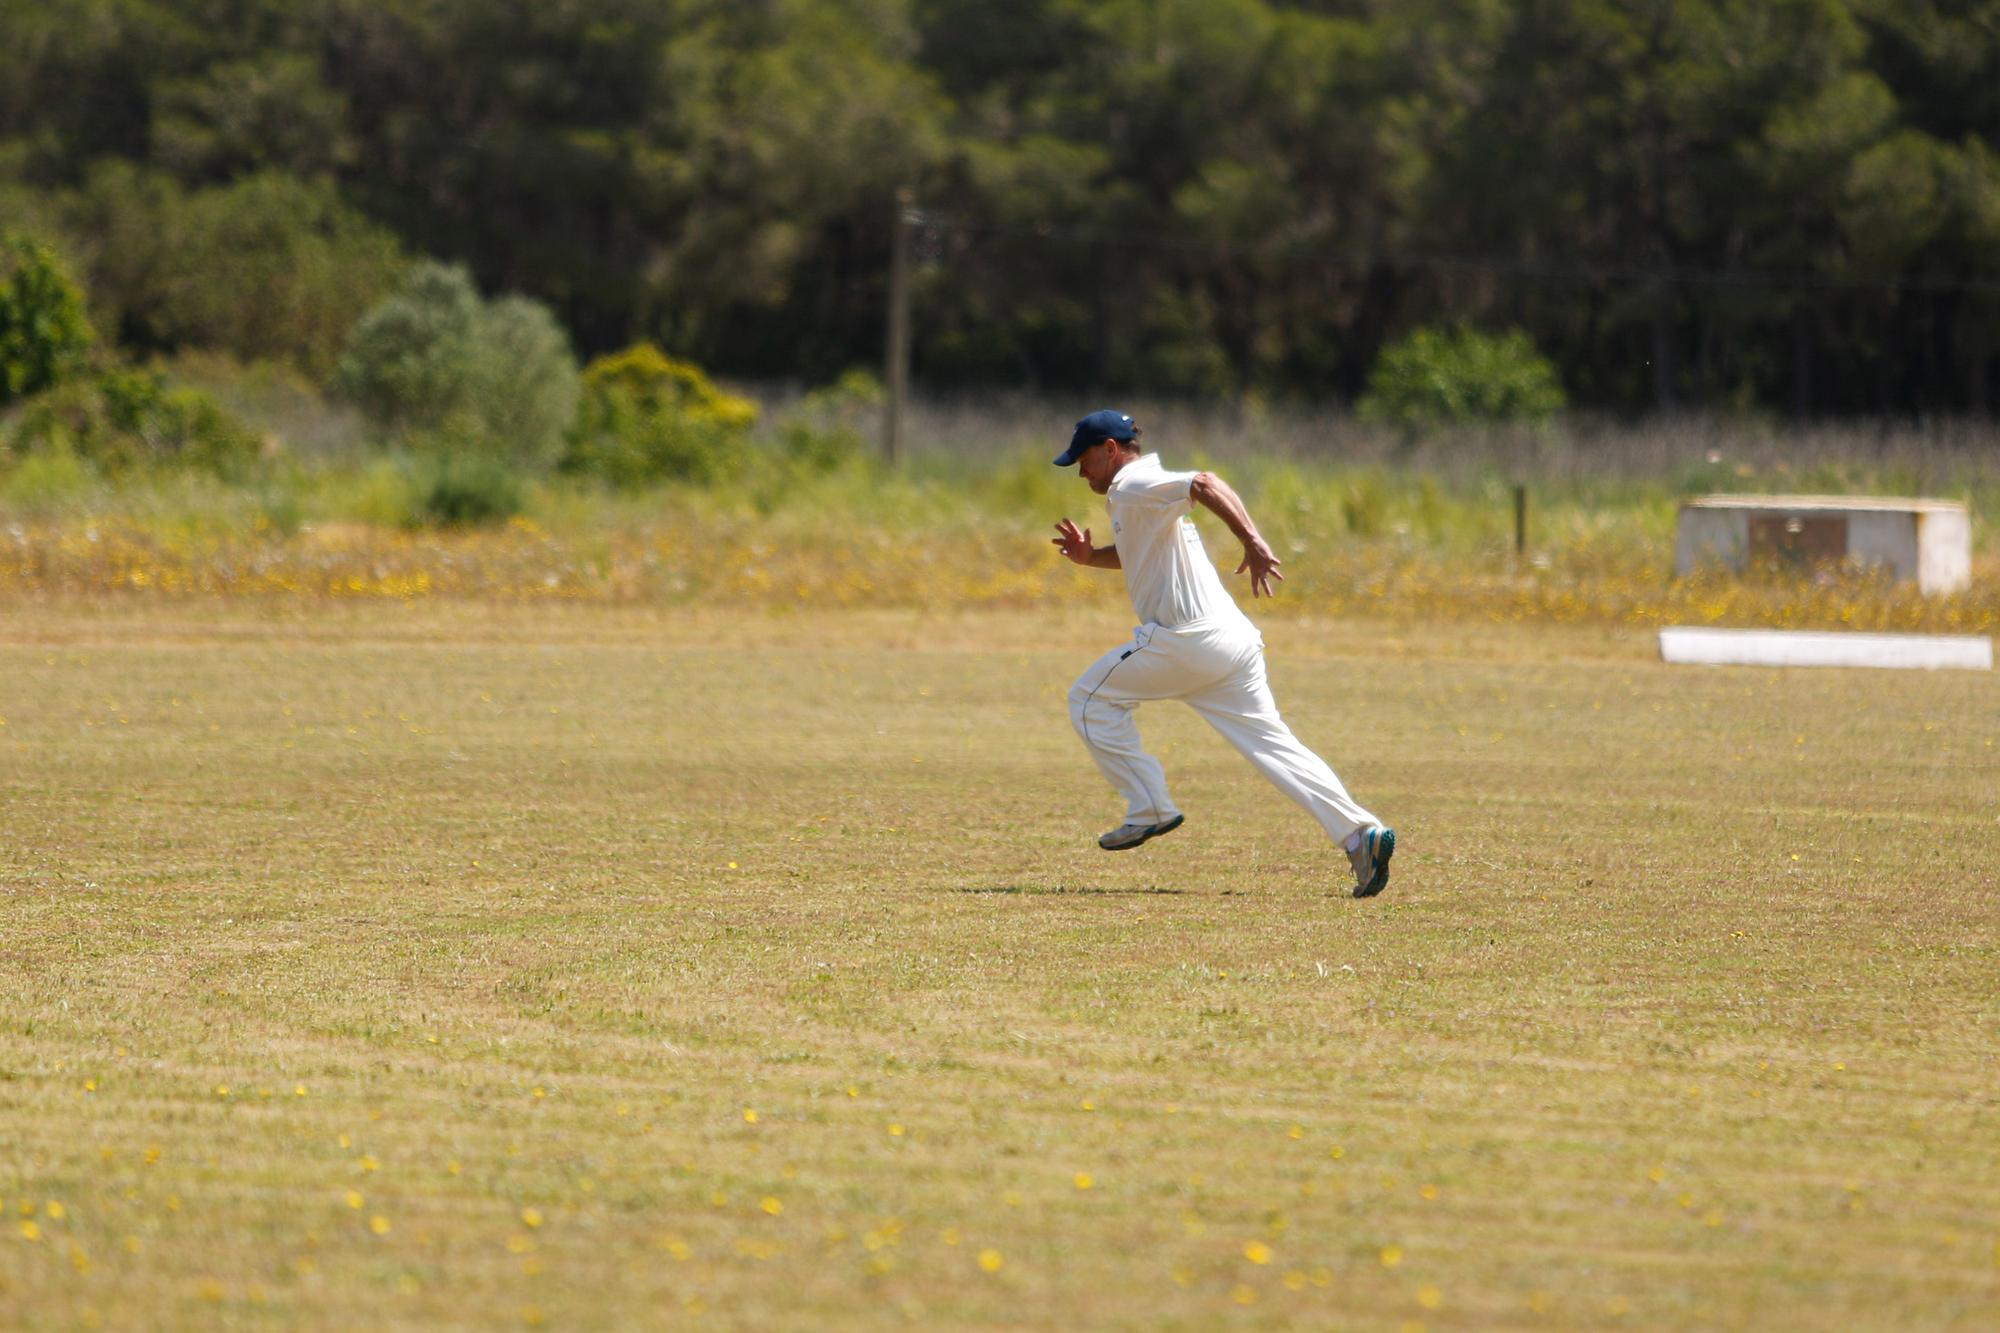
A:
(1167, 569)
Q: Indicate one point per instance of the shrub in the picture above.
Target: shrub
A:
(646, 417)
(528, 380)
(408, 361)
(128, 418)
(824, 432)
(466, 489)
(381, 493)
(44, 333)
(434, 357)
(1438, 377)
(46, 479)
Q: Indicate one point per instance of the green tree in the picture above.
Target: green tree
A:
(268, 113)
(1800, 162)
(1684, 202)
(74, 76)
(272, 267)
(45, 334)
(797, 121)
(268, 267)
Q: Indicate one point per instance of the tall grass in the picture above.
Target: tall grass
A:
(1581, 457)
(1362, 516)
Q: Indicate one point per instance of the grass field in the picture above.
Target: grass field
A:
(366, 965)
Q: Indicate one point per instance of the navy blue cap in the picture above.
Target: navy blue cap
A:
(1103, 424)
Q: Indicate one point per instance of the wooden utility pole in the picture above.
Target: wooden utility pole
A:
(898, 354)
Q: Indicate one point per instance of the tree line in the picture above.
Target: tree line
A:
(1781, 205)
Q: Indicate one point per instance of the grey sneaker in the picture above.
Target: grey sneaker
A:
(1371, 861)
(1127, 836)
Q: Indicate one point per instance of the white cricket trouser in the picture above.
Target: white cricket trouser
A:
(1217, 669)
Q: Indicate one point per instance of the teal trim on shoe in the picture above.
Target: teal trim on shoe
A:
(1380, 845)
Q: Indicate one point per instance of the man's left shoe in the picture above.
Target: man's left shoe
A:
(1371, 861)
(1127, 836)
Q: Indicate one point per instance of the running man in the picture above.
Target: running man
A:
(1193, 643)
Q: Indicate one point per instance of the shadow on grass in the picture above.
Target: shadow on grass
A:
(1047, 889)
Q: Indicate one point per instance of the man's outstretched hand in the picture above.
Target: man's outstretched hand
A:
(1263, 564)
(1074, 544)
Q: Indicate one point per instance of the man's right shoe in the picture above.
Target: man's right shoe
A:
(1371, 861)
(1127, 836)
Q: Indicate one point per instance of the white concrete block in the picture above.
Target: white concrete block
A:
(1800, 648)
(1944, 550)
(1929, 541)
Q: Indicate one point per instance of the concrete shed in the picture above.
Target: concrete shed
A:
(1928, 541)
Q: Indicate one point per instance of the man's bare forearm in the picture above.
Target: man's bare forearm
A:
(1104, 557)
(1215, 495)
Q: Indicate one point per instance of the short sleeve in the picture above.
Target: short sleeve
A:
(1154, 489)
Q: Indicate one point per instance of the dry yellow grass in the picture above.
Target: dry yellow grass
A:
(442, 963)
(808, 562)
